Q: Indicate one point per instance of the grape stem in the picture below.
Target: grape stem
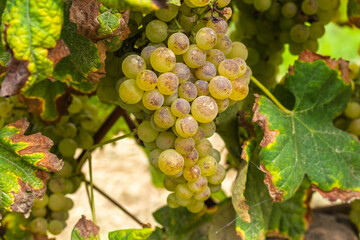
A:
(269, 94)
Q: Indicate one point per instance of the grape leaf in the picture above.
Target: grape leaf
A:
(30, 28)
(47, 99)
(130, 234)
(135, 4)
(353, 11)
(85, 230)
(24, 162)
(14, 225)
(304, 142)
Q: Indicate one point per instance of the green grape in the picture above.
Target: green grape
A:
(56, 202)
(202, 87)
(38, 225)
(165, 140)
(70, 130)
(200, 3)
(146, 53)
(220, 27)
(38, 212)
(214, 188)
(200, 134)
(69, 204)
(352, 110)
(206, 72)
(295, 48)
(215, 56)
(187, 22)
(183, 202)
(189, 4)
(88, 123)
(146, 133)
(182, 72)
(229, 69)
(67, 147)
(168, 99)
(262, 5)
(41, 203)
(156, 31)
(146, 80)
(222, 3)
(195, 206)
(186, 126)
(224, 44)
(180, 107)
(75, 106)
(274, 12)
(56, 184)
(155, 126)
(68, 186)
(153, 99)
(207, 165)
(171, 162)
(167, 14)
(184, 146)
(316, 30)
(178, 178)
(84, 139)
(289, 10)
(191, 174)
(240, 89)
(220, 87)
(238, 50)
(182, 191)
(178, 43)
(171, 201)
(299, 33)
(328, 4)
(60, 215)
(164, 118)
(206, 38)
(309, 7)
(129, 92)
(150, 145)
(222, 104)
(154, 156)
(204, 109)
(169, 183)
(194, 57)
(187, 91)
(76, 183)
(191, 158)
(354, 127)
(311, 45)
(242, 66)
(133, 65)
(203, 195)
(199, 185)
(215, 154)
(163, 60)
(218, 176)
(203, 147)
(157, 45)
(55, 227)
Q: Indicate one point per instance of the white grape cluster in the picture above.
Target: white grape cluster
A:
(177, 89)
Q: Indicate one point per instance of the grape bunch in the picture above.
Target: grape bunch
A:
(265, 26)
(180, 82)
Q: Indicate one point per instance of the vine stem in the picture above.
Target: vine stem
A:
(93, 213)
(269, 94)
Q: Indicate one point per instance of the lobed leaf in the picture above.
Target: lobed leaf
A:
(85, 230)
(130, 234)
(24, 163)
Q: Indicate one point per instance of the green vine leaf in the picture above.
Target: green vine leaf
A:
(30, 28)
(24, 163)
(305, 142)
(85, 230)
(15, 225)
(130, 234)
(135, 4)
(47, 99)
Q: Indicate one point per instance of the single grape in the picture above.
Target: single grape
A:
(191, 158)
(146, 133)
(183, 191)
(153, 99)
(180, 107)
(164, 118)
(163, 59)
(182, 72)
(240, 89)
(199, 185)
(169, 183)
(328, 4)
(195, 206)
(311, 45)
(154, 156)
(168, 83)
(203, 195)
(215, 154)
(55, 227)
(187, 91)
(262, 5)
(189, 4)
(224, 44)
(316, 30)
(129, 92)
(207, 165)
(200, 3)
(133, 65)
(38, 212)
(146, 80)
(299, 33)
(146, 53)
(194, 57)
(56, 202)
(184, 146)
(41, 203)
(186, 126)
(352, 110)
(150, 145)
(84, 139)
(209, 128)
(167, 14)
(238, 50)
(56, 184)
(156, 31)
(155, 126)
(38, 225)
(229, 69)
(60, 215)
(70, 130)
(171, 201)
(242, 66)
(289, 9)
(222, 104)
(183, 202)
(203, 147)
(222, 3)
(204, 109)
(168, 99)
(67, 147)
(206, 72)
(206, 38)
(354, 127)
(171, 162)
(219, 26)
(309, 7)
(220, 87)
(202, 87)
(191, 174)
(165, 140)
(215, 56)
(75, 106)
(218, 176)
(68, 186)
(178, 43)
(214, 188)
(200, 134)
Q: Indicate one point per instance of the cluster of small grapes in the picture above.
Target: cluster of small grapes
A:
(264, 26)
(11, 110)
(177, 90)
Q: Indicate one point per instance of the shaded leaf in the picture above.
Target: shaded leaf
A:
(84, 230)
(24, 161)
(31, 28)
(305, 142)
(130, 234)
(15, 225)
(135, 4)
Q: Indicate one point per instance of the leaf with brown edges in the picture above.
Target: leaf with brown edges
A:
(85, 230)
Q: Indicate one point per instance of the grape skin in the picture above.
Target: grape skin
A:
(194, 57)
(204, 109)
(182, 72)
(178, 43)
(129, 92)
(220, 87)
(133, 65)
(153, 99)
(206, 38)
(146, 80)
(168, 83)
(156, 31)
(186, 126)
(171, 162)
(187, 91)
(206, 72)
(163, 59)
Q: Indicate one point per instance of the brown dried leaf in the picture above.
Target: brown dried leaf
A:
(86, 228)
